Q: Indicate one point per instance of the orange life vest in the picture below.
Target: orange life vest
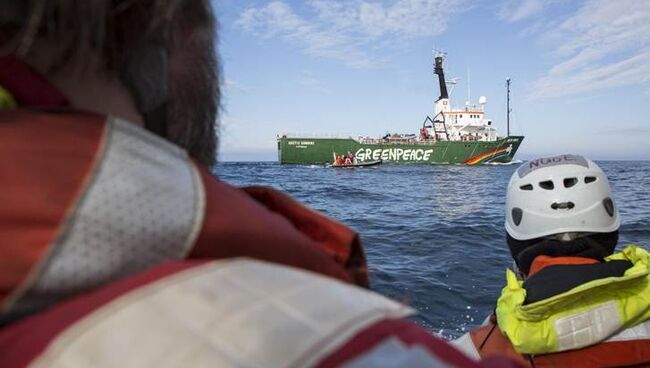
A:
(543, 261)
(62, 169)
(74, 181)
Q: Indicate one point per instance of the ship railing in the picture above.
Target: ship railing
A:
(313, 135)
(396, 142)
(424, 142)
(366, 140)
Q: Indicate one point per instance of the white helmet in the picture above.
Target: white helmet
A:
(560, 194)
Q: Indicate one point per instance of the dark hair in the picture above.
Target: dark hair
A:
(183, 31)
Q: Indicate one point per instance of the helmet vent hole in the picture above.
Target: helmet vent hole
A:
(590, 179)
(563, 205)
(517, 214)
(609, 206)
(569, 182)
(526, 187)
(546, 184)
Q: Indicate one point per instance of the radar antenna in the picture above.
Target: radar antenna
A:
(508, 109)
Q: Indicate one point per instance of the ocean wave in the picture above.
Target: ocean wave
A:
(433, 234)
(513, 162)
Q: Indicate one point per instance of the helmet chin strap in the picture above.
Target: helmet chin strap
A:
(145, 75)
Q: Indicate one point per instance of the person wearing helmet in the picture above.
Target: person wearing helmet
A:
(570, 300)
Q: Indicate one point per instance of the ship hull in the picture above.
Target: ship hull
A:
(321, 150)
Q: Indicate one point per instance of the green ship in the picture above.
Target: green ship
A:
(452, 136)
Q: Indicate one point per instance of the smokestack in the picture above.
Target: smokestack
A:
(441, 77)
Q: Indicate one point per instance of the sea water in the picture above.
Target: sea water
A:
(434, 235)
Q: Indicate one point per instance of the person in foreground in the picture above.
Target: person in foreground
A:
(119, 248)
(571, 301)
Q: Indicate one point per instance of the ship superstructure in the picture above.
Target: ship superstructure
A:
(453, 135)
(464, 124)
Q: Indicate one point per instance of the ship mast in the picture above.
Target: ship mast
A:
(441, 77)
(508, 109)
(442, 103)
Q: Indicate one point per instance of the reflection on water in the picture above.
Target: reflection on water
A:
(461, 190)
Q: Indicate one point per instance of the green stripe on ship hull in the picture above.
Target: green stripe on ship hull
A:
(320, 151)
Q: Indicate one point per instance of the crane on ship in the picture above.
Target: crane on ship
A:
(438, 124)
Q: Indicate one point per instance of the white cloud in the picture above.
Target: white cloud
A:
(515, 10)
(231, 85)
(309, 81)
(604, 44)
(228, 122)
(343, 30)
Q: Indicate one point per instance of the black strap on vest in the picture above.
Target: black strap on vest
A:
(487, 337)
(493, 321)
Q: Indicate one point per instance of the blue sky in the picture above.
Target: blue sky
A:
(580, 70)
